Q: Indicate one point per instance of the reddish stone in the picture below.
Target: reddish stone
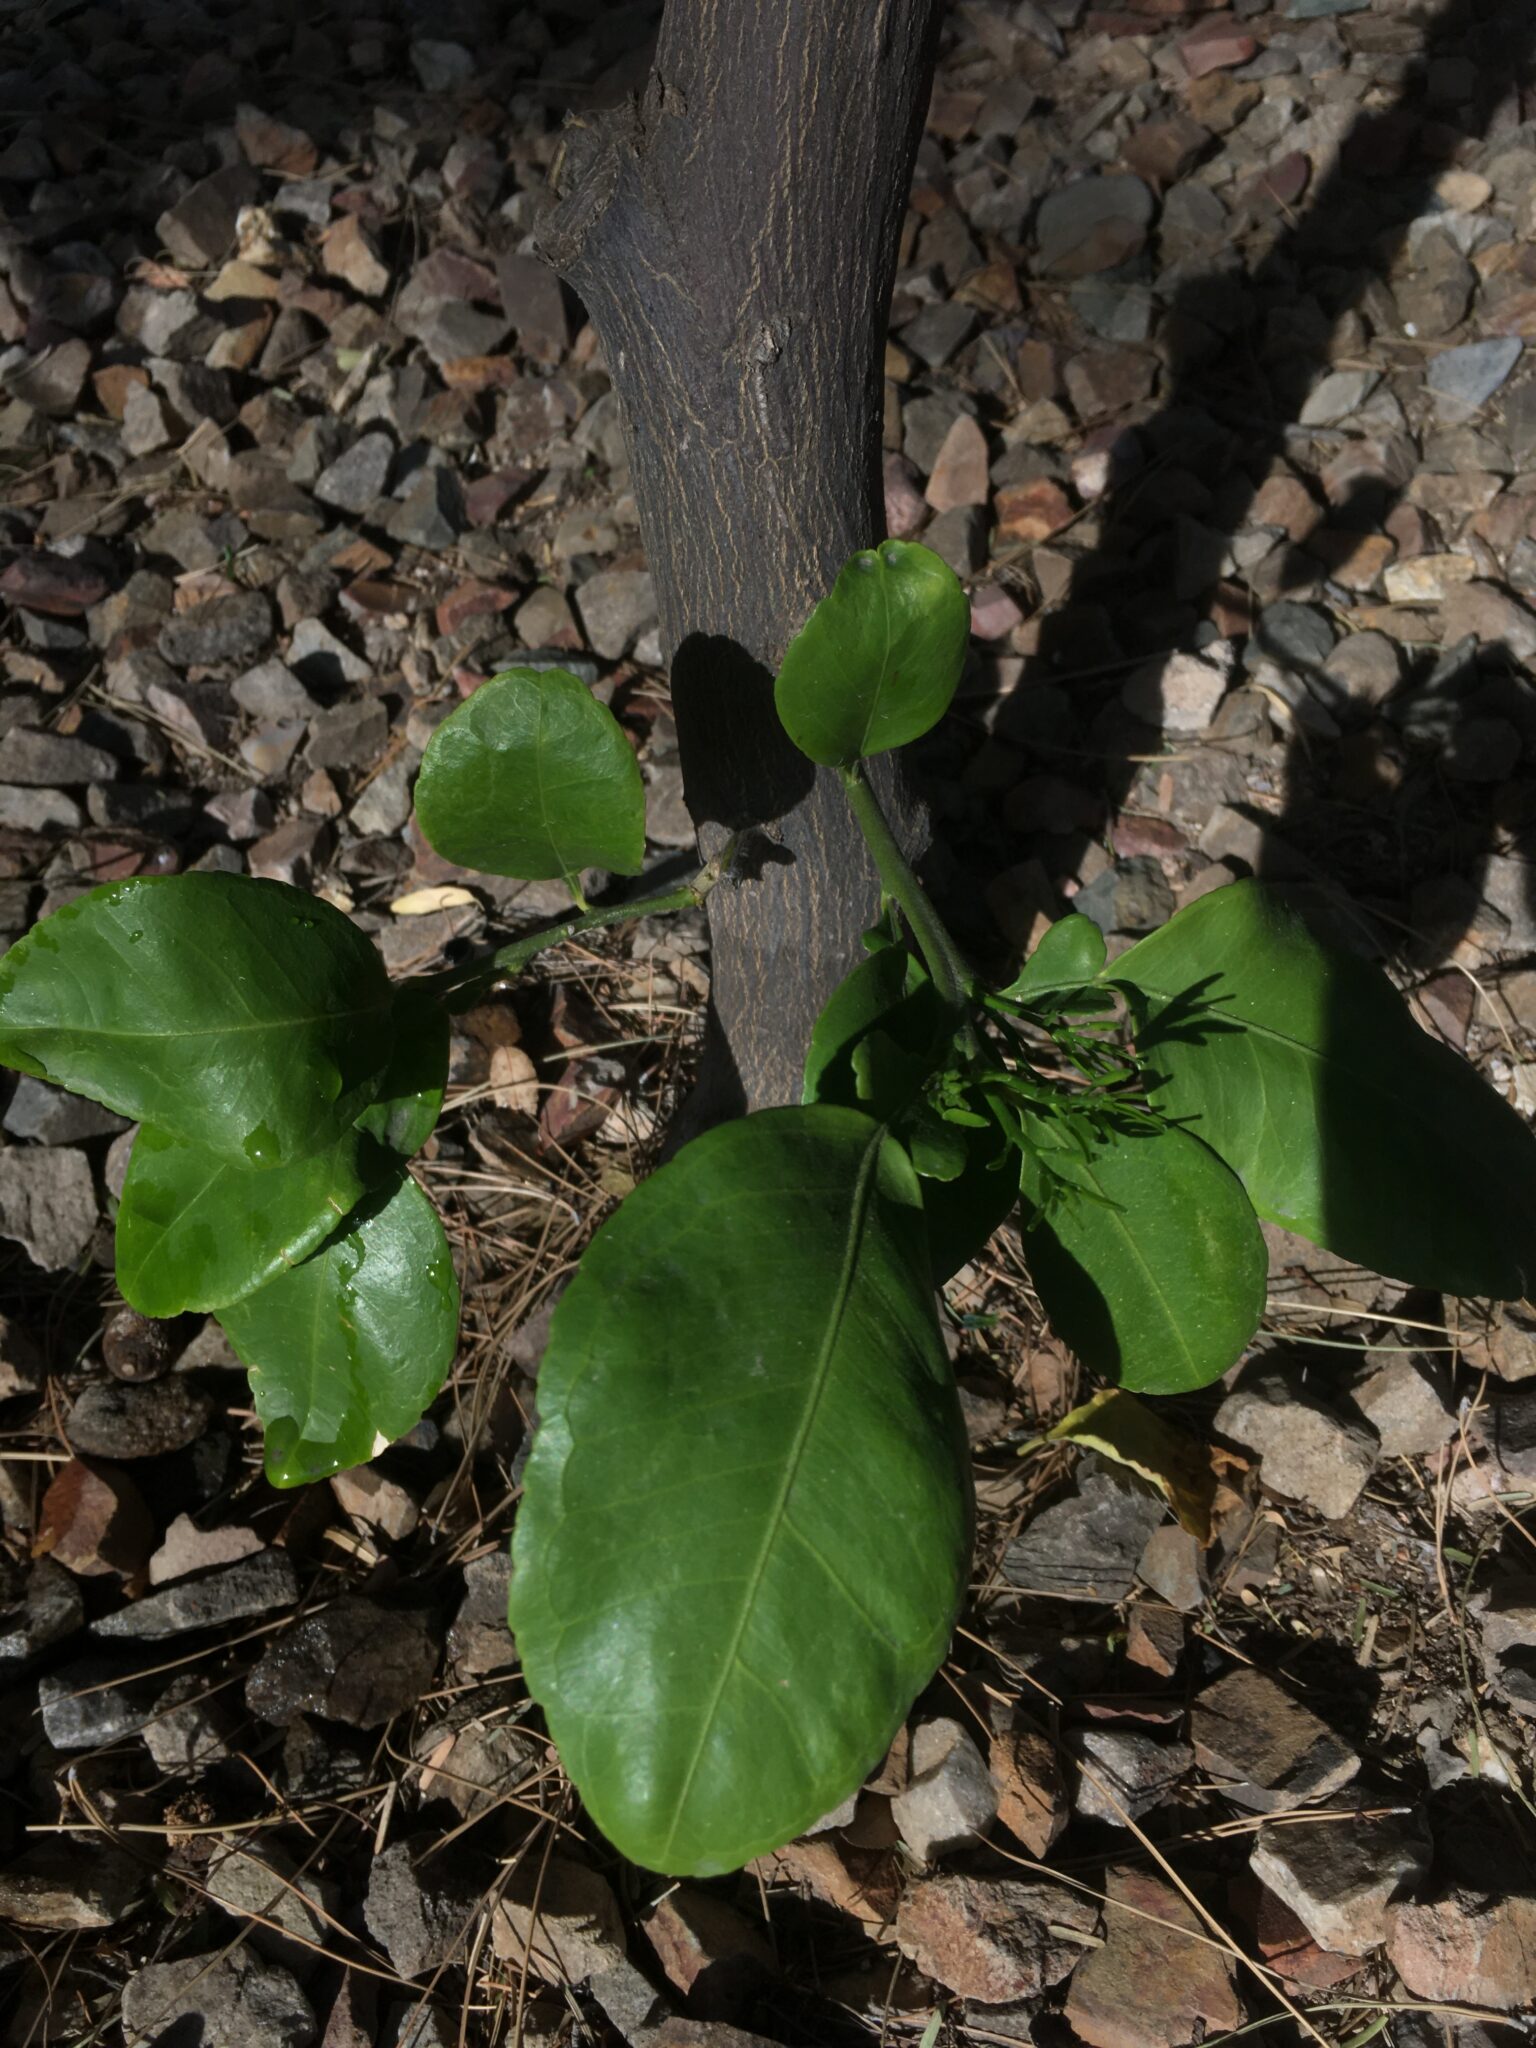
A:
(94, 1522)
(1150, 1985)
(62, 587)
(470, 601)
(1284, 1942)
(993, 613)
(1216, 46)
(1033, 511)
(1153, 836)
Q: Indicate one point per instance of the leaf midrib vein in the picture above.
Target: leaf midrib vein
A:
(858, 1216)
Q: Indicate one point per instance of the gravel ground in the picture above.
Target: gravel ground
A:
(1211, 373)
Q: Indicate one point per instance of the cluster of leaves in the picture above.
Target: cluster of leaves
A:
(745, 1528)
(281, 1083)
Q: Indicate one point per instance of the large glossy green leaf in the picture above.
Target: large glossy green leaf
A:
(877, 662)
(1150, 1261)
(346, 1350)
(410, 1099)
(745, 1523)
(533, 777)
(1302, 1067)
(242, 1016)
(196, 1230)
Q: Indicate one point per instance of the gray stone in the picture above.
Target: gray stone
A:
(479, 1640)
(46, 759)
(286, 1910)
(1270, 1752)
(475, 1766)
(1338, 1877)
(200, 228)
(1173, 1566)
(1509, 885)
(47, 1203)
(272, 692)
(148, 423)
(1295, 635)
(92, 1703)
(189, 1727)
(358, 1662)
(441, 66)
(1337, 396)
(1123, 1773)
(224, 1999)
(352, 736)
(431, 515)
(1309, 1452)
(51, 1117)
(1409, 1402)
(359, 478)
(50, 1610)
(959, 537)
(1463, 379)
(59, 1885)
(615, 606)
(1363, 670)
(321, 661)
(244, 814)
(421, 1907)
(938, 331)
(951, 1799)
(1180, 693)
(222, 631)
(384, 808)
(1088, 1547)
(292, 853)
(114, 1419)
(1092, 224)
(565, 1919)
(1507, 1426)
(1433, 295)
(38, 810)
(1132, 896)
(234, 1592)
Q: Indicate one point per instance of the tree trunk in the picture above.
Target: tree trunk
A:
(733, 236)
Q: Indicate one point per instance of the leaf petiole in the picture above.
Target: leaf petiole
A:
(951, 977)
(460, 987)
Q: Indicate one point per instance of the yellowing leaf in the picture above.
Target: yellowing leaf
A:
(1128, 1432)
(421, 902)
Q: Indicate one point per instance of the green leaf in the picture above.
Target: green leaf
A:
(533, 777)
(242, 1016)
(964, 1213)
(861, 1000)
(1149, 1261)
(410, 1098)
(745, 1523)
(196, 1230)
(346, 1351)
(1070, 955)
(877, 662)
(1303, 1069)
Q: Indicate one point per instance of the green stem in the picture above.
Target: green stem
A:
(951, 976)
(456, 984)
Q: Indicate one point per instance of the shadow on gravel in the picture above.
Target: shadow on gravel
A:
(1384, 851)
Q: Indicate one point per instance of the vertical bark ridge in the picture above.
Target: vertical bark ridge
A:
(733, 235)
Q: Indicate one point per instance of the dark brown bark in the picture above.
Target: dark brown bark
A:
(733, 236)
